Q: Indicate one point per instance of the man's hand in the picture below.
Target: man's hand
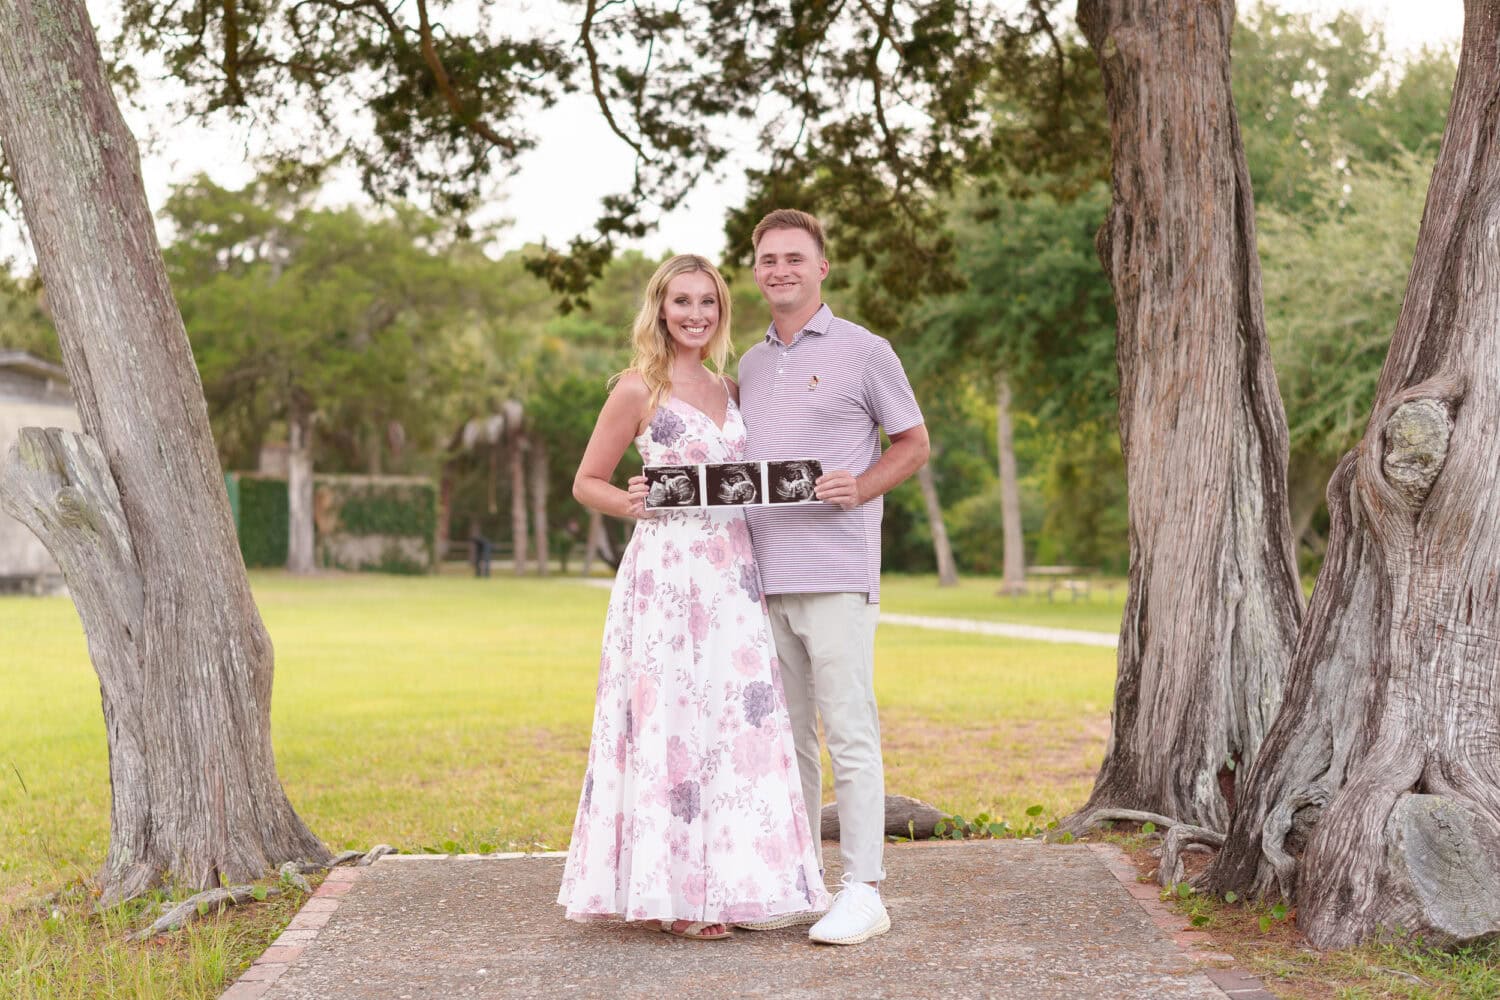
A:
(839, 487)
(637, 490)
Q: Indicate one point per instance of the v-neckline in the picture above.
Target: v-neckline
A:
(728, 402)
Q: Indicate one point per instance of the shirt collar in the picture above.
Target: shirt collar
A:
(817, 324)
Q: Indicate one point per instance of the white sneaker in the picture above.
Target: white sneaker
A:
(856, 916)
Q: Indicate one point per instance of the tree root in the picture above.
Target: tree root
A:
(1088, 821)
(1178, 839)
(217, 900)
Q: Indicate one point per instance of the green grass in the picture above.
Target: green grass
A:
(448, 713)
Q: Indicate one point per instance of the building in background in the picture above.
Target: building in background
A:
(33, 393)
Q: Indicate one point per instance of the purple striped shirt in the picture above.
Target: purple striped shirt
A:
(825, 396)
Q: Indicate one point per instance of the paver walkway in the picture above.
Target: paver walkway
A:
(970, 919)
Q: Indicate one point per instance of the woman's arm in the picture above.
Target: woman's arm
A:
(619, 422)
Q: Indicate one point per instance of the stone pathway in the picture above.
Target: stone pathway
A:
(970, 919)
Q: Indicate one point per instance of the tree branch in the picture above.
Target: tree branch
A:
(445, 86)
(587, 40)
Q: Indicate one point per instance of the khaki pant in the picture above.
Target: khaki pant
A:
(826, 646)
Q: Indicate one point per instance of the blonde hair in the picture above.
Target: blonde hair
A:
(789, 218)
(654, 347)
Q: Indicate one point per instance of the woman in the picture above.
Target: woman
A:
(691, 814)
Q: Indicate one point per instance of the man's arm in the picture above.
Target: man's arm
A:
(907, 453)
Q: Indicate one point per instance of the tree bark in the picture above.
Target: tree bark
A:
(446, 484)
(516, 447)
(1214, 602)
(299, 494)
(1013, 579)
(135, 510)
(539, 505)
(947, 569)
(1375, 804)
(594, 542)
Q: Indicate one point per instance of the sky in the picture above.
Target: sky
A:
(555, 194)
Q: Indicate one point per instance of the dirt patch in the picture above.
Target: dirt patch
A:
(1052, 751)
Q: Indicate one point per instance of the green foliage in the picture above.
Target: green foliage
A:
(385, 509)
(263, 521)
(24, 325)
(296, 312)
(1319, 94)
(983, 827)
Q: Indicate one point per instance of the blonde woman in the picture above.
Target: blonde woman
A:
(691, 816)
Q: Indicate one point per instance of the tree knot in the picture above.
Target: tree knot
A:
(72, 507)
(1416, 444)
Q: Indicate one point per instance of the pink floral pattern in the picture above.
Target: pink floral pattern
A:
(691, 807)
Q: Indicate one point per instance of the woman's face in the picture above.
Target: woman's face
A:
(691, 311)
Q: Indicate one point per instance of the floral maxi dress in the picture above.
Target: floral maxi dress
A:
(691, 806)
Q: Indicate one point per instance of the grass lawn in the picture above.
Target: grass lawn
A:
(449, 713)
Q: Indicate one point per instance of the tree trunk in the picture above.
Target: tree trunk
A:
(299, 494)
(947, 571)
(520, 542)
(1383, 771)
(515, 433)
(446, 484)
(594, 540)
(539, 505)
(1214, 602)
(1013, 580)
(374, 448)
(135, 510)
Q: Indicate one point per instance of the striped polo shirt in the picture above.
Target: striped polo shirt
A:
(825, 396)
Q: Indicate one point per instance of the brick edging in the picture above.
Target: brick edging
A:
(256, 981)
(1233, 981)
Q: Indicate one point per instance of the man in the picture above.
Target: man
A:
(822, 387)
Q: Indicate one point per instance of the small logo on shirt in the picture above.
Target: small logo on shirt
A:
(812, 383)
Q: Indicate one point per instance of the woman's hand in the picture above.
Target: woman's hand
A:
(638, 490)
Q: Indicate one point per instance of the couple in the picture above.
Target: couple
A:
(701, 802)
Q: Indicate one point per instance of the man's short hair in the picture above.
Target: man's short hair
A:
(789, 218)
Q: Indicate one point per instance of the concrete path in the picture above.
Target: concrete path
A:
(1007, 630)
(970, 919)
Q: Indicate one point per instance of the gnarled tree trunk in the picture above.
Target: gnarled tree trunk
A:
(941, 549)
(1013, 580)
(1214, 601)
(1376, 801)
(135, 511)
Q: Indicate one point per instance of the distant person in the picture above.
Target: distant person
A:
(481, 549)
(820, 387)
(691, 815)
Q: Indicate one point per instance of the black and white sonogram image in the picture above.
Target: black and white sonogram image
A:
(732, 483)
(671, 486)
(792, 482)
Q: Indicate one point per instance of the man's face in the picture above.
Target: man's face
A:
(789, 270)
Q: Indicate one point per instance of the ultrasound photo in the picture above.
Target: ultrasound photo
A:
(671, 486)
(732, 483)
(792, 482)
